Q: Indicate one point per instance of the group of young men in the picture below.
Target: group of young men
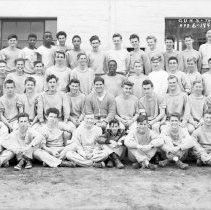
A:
(67, 107)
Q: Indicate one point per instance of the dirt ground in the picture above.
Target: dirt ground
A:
(90, 188)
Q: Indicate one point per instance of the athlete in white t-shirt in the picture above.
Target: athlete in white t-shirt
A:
(119, 54)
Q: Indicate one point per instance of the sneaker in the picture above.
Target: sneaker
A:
(6, 164)
(163, 163)
(99, 165)
(110, 164)
(157, 159)
(208, 163)
(199, 163)
(119, 164)
(136, 165)
(66, 163)
(44, 164)
(152, 166)
(19, 166)
(28, 164)
(181, 165)
(143, 165)
(175, 159)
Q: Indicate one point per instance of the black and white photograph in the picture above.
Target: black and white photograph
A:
(105, 104)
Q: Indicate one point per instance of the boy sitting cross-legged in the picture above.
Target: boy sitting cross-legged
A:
(177, 143)
(202, 135)
(113, 139)
(22, 143)
(85, 151)
(198, 105)
(142, 144)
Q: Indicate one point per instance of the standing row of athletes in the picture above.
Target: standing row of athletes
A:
(105, 102)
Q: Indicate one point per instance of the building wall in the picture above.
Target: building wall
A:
(104, 17)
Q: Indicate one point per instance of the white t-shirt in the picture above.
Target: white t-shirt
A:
(137, 87)
(160, 81)
(30, 56)
(205, 51)
(39, 83)
(63, 74)
(207, 83)
(86, 78)
(113, 84)
(46, 54)
(96, 61)
(121, 57)
(186, 54)
(19, 81)
(9, 56)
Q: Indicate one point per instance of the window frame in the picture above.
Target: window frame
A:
(26, 19)
(178, 37)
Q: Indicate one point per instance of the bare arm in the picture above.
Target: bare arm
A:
(130, 141)
(147, 65)
(111, 109)
(5, 121)
(199, 63)
(40, 107)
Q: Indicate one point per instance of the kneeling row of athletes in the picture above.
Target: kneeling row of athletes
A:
(90, 147)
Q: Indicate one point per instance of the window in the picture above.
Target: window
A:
(196, 26)
(23, 27)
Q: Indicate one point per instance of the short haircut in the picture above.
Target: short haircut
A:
(12, 36)
(147, 82)
(3, 61)
(80, 54)
(197, 82)
(117, 35)
(19, 59)
(151, 37)
(192, 59)
(188, 36)
(170, 38)
(32, 35)
(114, 121)
(23, 114)
(47, 32)
(127, 83)
(76, 36)
(141, 118)
(51, 76)
(138, 62)
(61, 33)
(99, 79)
(52, 110)
(61, 52)
(208, 31)
(175, 114)
(134, 36)
(9, 81)
(74, 81)
(36, 62)
(112, 61)
(207, 111)
(209, 60)
(156, 58)
(30, 79)
(173, 58)
(172, 77)
(95, 37)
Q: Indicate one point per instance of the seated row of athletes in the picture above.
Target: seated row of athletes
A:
(89, 126)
